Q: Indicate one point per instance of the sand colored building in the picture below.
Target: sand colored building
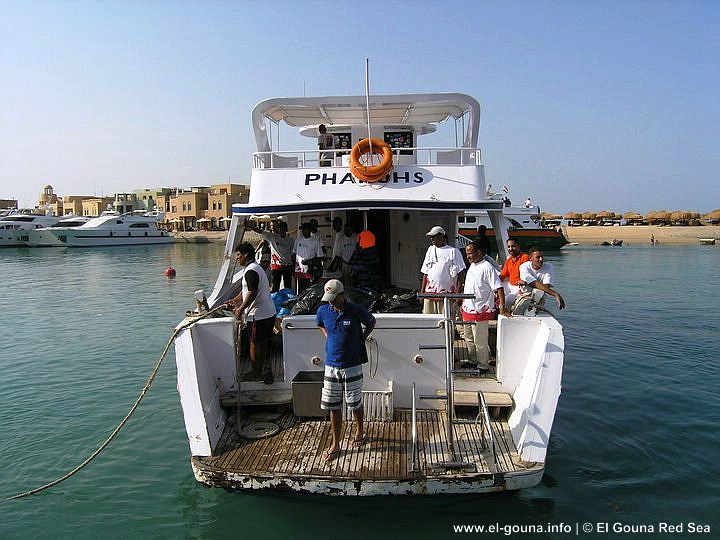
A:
(48, 200)
(220, 201)
(72, 204)
(149, 198)
(96, 205)
(202, 207)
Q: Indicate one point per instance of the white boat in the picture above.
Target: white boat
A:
(14, 228)
(433, 428)
(43, 237)
(112, 229)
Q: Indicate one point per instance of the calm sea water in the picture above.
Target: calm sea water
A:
(635, 439)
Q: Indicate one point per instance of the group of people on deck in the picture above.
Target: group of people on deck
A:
(494, 289)
(347, 325)
(353, 258)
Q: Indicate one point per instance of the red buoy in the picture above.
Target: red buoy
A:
(170, 271)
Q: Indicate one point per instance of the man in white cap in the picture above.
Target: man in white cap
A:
(441, 269)
(341, 323)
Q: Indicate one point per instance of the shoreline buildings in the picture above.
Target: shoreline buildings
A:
(205, 207)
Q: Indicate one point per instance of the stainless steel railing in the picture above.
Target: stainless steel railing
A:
(305, 159)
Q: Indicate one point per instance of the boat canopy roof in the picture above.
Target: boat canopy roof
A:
(405, 109)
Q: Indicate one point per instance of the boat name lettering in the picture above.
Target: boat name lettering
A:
(397, 178)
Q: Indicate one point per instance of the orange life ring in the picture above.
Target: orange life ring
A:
(373, 173)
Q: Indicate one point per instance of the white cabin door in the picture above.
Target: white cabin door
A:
(404, 238)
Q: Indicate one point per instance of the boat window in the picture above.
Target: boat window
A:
(119, 221)
(139, 225)
(471, 219)
(515, 223)
(19, 218)
(461, 219)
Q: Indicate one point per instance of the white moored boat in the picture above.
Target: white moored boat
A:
(44, 237)
(112, 229)
(14, 228)
(433, 428)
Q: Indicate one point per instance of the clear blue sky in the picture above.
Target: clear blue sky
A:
(586, 105)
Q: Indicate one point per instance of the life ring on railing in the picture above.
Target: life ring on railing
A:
(372, 173)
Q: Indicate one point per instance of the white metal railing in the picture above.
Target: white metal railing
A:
(310, 159)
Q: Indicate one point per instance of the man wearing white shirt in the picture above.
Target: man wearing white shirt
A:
(307, 254)
(343, 250)
(441, 269)
(537, 274)
(483, 281)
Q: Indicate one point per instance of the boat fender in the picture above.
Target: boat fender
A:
(372, 173)
(170, 271)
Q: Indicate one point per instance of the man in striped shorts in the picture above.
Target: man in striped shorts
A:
(341, 323)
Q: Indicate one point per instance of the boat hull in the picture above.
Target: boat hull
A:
(104, 240)
(437, 485)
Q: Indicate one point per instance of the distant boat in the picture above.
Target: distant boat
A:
(707, 241)
(14, 228)
(44, 238)
(615, 243)
(523, 225)
(112, 229)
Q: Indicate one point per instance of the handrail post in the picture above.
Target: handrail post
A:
(486, 419)
(449, 365)
(449, 361)
(414, 430)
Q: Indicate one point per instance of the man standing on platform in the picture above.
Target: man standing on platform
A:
(256, 307)
(441, 269)
(307, 254)
(482, 281)
(343, 250)
(341, 323)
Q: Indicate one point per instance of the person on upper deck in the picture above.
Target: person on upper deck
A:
(483, 281)
(510, 273)
(441, 269)
(326, 142)
(537, 274)
(254, 304)
(307, 254)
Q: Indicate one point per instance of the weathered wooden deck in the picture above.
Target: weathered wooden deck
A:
(297, 450)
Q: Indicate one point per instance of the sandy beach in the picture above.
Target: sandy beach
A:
(640, 234)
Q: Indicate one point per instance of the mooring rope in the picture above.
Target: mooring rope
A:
(195, 318)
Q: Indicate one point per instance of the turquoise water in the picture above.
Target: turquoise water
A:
(635, 439)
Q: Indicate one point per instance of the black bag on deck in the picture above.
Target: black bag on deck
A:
(307, 301)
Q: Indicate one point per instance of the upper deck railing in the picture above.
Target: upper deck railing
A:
(310, 159)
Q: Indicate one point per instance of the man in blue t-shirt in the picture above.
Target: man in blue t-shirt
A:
(341, 323)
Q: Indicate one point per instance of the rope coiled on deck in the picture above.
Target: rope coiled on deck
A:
(194, 318)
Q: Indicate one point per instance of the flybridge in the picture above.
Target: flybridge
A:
(334, 178)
